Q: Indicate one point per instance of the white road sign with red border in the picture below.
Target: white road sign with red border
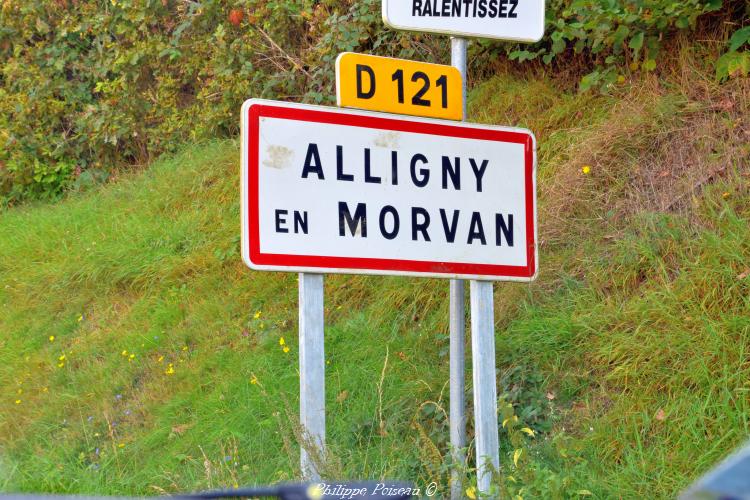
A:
(328, 190)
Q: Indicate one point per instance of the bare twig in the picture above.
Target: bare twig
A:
(295, 63)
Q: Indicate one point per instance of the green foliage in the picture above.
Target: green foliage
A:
(614, 34)
(735, 62)
(546, 470)
(87, 85)
(91, 85)
(632, 315)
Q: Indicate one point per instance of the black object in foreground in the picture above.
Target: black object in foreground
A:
(730, 480)
(314, 491)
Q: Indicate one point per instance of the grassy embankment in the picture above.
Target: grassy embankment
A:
(137, 354)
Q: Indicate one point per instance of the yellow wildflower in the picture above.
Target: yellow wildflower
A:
(169, 370)
(286, 349)
(131, 357)
(254, 380)
(51, 338)
(60, 365)
(471, 493)
(586, 169)
(121, 445)
(256, 315)
(185, 348)
(161, 358)
(18, 401)
(61, 358)
(282, 341)
(124, 353)
(725, 195)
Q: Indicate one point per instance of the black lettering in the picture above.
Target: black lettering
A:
(361, 94)
(493, 8)
(482, 8)
(369, 178)
(394, 167)
(450, 232)
(417, 99)
(388, 209)
(479, 172)
(435, 10)
(316, 168)
(340, 175)
(446, 8)
(501, 11)
(454, 173)
(425, 172)
(467, 3)
(416, 8)
(476, 231)
(359, 219)
(427, 9)
(506, 230)
(513, 5)
(456, 11)
(300, 222)
(281, 219)
(419, 227)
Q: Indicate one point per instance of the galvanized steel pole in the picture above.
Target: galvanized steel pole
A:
(312, 392)
(457, 333)
(484, 377)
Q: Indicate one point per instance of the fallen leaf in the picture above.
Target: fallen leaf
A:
(342, 396)
(181, 428)
(744, 274)
(660, 415)
(551, 396)
(516, 456)
(726, 104)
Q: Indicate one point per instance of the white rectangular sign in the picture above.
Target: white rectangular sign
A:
(519, 20)
(334, 190)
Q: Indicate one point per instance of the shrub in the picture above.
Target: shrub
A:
(614, 34)
(88, 85)
(736, 62)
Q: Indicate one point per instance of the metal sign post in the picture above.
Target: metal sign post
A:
(329, 190)
(458, 331)
(312, 391)
(485, 393)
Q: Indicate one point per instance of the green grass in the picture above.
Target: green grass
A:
(628, 356)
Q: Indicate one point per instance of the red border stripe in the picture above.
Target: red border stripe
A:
(256, 111)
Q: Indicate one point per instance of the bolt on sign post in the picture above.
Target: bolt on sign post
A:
(399, 86)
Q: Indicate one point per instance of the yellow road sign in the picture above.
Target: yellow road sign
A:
(399, 86)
